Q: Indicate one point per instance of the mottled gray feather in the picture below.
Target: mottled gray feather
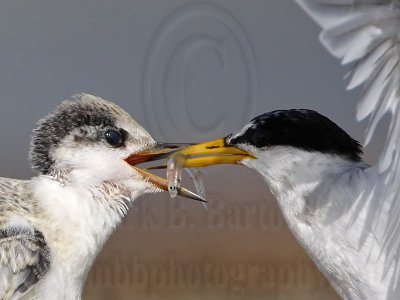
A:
(24, 254)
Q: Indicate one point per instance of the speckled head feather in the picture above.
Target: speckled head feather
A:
(82, 112)
(300, 128)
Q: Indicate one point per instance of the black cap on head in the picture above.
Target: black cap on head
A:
(301, 128)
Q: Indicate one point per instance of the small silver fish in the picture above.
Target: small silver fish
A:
(174, 174)
(174, 177)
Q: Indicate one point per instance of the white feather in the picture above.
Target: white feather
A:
(69, 211)
(367, 33)
(322, 199)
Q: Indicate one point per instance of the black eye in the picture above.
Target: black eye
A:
(114, 137)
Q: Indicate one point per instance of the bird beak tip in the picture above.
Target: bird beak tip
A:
(159, 151)
(195, 155)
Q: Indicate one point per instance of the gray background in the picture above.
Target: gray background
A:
(187, 71)
(53, 49)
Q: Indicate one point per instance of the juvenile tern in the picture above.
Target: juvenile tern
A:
(53, 226)
(345, 213)
(315, 171)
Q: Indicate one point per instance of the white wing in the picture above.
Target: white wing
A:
(366, 33)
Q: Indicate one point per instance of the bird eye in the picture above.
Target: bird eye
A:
(114, 137)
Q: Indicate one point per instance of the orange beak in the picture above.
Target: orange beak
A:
(160, 151)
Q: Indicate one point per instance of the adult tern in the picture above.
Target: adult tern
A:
(345, 213)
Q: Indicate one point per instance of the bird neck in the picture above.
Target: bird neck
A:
(95, 210)
(304, 182)
(324, 202)
(77, 220)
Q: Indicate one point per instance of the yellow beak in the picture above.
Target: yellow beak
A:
(199, 155)
(209, 153)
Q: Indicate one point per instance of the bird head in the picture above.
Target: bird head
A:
(91, 140)
(278, 141)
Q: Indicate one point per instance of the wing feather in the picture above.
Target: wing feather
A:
(24, 259)
(366, 33)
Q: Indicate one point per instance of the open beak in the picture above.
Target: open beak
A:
(199, 155)
(209, 153)
(160, 151)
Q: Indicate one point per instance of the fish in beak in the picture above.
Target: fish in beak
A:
(208, 153)
(159, 151)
